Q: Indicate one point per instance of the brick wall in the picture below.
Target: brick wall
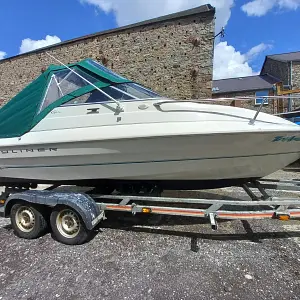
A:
(173, 57)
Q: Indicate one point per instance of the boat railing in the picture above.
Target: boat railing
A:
(264, 100)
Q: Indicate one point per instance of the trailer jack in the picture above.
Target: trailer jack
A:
(213, 222)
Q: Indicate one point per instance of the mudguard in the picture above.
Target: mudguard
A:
(82, 203)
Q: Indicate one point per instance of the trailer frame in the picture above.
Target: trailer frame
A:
(92, 208)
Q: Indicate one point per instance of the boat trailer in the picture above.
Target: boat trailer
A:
(74, 216)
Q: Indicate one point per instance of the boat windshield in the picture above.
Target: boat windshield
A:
(104, 69)
(121, 91)
(64, 82)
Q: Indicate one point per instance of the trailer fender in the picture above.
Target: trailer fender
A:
(82, 203)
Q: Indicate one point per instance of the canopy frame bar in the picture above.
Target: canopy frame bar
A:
(119, 108)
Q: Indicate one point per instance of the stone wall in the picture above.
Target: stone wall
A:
(278, 69)
(173, 56)
(296, 75)
(282, 71)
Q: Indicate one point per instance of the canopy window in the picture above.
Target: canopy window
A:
(63, 83)
(56, 86)
(122, 91)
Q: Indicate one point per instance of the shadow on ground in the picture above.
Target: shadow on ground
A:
(127, 225)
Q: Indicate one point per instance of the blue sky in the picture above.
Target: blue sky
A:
(254, 28)
(278, 28)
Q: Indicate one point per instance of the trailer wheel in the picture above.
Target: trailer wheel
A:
(27, 221)
(68, 227)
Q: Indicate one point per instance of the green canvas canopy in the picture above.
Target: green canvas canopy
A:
(56, 86)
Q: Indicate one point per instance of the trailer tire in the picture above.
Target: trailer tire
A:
(27, 220)
(68, 227)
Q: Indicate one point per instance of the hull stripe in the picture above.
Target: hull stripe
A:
(147, 162)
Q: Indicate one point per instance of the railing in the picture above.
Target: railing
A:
(246, 98)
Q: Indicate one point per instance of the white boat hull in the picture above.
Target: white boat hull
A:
(176, 158)
(177, 142)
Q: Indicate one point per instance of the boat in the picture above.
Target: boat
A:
(293, 116)
(84, 124)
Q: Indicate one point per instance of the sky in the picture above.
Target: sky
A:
(253, 28)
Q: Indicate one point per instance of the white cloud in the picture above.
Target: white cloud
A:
(29, 44)
(2, 54)
(228, 62)
(132, 11)
(231, 63)
(256, 50)
(259, 8)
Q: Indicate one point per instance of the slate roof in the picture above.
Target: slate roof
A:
(285, 57)
(239, 84)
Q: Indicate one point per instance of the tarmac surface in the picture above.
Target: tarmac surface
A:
(159, 258)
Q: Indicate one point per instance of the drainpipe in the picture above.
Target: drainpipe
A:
(290, 101)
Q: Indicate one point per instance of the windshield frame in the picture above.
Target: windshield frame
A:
(115, 87)
(110, 101)
(54, 79)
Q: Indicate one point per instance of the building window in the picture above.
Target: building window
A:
(259, 97)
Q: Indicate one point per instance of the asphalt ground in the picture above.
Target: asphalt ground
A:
(158, 258)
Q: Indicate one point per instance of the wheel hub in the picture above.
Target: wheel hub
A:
(68, 223)
(25, 219)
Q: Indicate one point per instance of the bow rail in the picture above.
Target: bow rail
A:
(241, 98)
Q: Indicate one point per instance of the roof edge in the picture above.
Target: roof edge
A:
(258, 75)
(206, 8)
(271, 76)
(234, 77)
(270, 56)
(277, 59)
(261, 70)
(237, 91)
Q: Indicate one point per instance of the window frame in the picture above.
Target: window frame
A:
(53, 77)
(259, 98)
(133, 98)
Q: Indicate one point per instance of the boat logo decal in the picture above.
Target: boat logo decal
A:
(28, 150)
(286, 139)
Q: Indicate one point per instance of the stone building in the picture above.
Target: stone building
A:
(172, 55)
(278, 68)
(249, 86)
(285, 66)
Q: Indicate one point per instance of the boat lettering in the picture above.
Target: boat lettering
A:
(286, 139)
(28, 150)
